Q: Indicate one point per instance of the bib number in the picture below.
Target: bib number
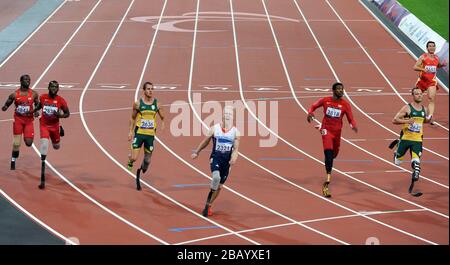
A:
(430, 69)
(50, 110)
(147, 124)
(334, 113)
(22, 109)
(415, 127)
(223, 147)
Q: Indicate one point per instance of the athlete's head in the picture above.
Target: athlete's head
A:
(431, 47)
(25, 81)
(53, 88)
(148, 89)
(338, 90)
(417, 94)
(228, 116)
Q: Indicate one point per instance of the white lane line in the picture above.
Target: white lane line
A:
(399, 42)
(337, 78)
(32, 34)
(37, 220)
(199, 119)
(304, 222)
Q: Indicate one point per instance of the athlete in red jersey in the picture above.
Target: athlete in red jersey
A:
(53, 107)
(334, 109)
(23, 98)
(427, 65)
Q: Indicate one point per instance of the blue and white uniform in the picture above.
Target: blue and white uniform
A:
(223, 143)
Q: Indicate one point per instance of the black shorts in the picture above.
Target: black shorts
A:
(221, 165)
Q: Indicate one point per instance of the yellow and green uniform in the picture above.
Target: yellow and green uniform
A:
(412, 135)
(144, 132)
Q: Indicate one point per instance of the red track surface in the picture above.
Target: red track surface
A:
(260, 193)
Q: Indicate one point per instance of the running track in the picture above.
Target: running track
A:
(273, 194)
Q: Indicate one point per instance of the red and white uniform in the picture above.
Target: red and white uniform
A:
(49, 121)
(23, 118)
(334, 111)
(428, 78)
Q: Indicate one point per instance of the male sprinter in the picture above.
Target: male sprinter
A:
(427, 64)
(411, 117)
(23, 98)
(334, 109)
(53, 107)
(143, 126)
(224, 153)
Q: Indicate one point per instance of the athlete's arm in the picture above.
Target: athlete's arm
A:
(65, 112)
(400, 117)
(133, 119)
(350, 118)
(9, 101)
(235, 153)
(161, 116)
(311, 110)
(204, 143)
(37, 104)
(419, 65)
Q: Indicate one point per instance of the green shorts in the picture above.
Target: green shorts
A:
(414, 147)
(140, 139)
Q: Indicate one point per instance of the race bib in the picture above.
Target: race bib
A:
(147, 124)
(334, 113)
(22, 109)
(415, 127)
(49, 110)
(223, 147)
(430, 69)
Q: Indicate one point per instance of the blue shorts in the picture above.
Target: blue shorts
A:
(222, 165)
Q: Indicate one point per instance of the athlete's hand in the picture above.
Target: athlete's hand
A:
(310, 117)
(194, 155)
(355, 129)
(411, 121)
(130, 136)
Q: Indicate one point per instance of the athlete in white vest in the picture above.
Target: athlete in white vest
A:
(224, 153)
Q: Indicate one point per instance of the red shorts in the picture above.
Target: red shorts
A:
(23, 125)
(425, 84)
(50, 131)
(331, 140)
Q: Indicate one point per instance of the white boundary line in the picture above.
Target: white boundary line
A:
(382, 74)
(37, 220)
(303, 222)
(398, 40)
(119, 164)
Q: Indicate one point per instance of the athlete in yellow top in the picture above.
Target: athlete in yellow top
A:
(143, 126)
(411, 117)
